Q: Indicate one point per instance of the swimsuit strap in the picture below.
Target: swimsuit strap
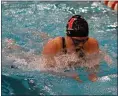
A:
(64, 45)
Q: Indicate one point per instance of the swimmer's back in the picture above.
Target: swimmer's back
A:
(55, 45)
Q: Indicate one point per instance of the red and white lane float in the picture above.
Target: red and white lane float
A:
(113, 4)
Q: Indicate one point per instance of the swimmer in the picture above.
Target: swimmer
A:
(77, 41)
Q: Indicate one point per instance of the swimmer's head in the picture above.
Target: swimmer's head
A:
(77, 27)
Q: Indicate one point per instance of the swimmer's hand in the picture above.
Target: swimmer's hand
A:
(93, 77)
(76, 77)
(73, 75)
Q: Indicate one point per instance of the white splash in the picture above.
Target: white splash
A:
(30, 61)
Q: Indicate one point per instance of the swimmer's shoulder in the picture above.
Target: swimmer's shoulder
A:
(52, 46)
(92, 41)
(92, 45)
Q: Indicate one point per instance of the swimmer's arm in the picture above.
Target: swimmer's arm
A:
(93, 50)
(73, 75)
(93, 73)
(49, 51)
(106, 57)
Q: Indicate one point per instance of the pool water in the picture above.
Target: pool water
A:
(24, 22)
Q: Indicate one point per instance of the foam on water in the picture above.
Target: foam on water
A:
(31, 61)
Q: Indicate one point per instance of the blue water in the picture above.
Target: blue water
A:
(21, 19)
